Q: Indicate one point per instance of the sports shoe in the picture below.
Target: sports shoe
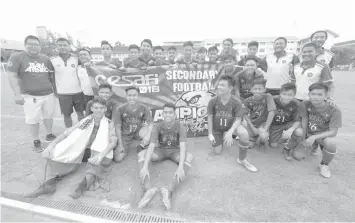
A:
(166, 197)
(324, 170)
(37, 146)
(247, 165)
(148, 195)
(287, 154)
(50, 137)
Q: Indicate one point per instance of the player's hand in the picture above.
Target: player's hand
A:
(330, 101)
(122, 69)
(48, 150)
(287, 134)
(143, 68)
(175, 66)
(146, 140)
(120, 149)
(261, 130)
(211, 138)
(194, 64)
(255, 131)
(309, 142)
(19, 100)
(179, 174)
(96, 160)
(228, 139)
(144, 173)
(87, 64)
(259, 71)
(151, 63)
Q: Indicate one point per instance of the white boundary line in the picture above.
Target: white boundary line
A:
(51, 212)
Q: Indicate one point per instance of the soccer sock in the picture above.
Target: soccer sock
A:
(243, 150)
(90, 179)
(294, 141)
(327, 157)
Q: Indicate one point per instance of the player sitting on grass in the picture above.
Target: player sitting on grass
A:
(91, 140)
(244, 78)
(105, 92)
(129, 119)
(133, 59)
(285, 127)
(168, 142)
(320, 123)
(261, 111)
(225, 113)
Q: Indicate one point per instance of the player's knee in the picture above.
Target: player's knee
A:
(298, 132)
(264, 137)
(298, 155)
(330, 145)
(274, 145)
(242, 133)
(119, 156)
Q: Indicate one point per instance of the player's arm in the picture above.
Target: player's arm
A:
(237, 86)
(151, 147)
(239, 110)
(250, 124)
(326, 77)
(87, 110)
(271, 111)
(149, 120)
(303, 114)
(183, 149)
(52, 76)
(112, 140)
(210, 117)
(13, 70)
(117, 119)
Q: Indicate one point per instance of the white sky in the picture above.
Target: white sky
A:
(131, 21)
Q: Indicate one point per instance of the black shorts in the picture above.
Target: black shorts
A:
(276, 132)
(68, 101)
(87, 98)
(273, 91)
(218, 136)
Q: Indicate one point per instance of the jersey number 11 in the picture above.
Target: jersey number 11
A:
(221, 122)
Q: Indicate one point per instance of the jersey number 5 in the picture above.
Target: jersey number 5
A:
(221, 121)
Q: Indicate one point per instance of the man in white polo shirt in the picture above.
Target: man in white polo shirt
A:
(310, 71)
(279, 64)
(323, 55)
(67, 82)
(29, 74)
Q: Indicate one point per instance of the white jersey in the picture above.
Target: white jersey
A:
(85, 82)
(66, 77)
(326, 57)
(278, 70)
(306, 77)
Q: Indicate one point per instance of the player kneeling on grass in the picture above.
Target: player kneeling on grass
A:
(129, 119)
(91, 140)
(320, 123)
(261, 111)
(225, 113)
(168, 142)
(285, 127)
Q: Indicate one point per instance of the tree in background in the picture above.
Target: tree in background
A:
(343, 55)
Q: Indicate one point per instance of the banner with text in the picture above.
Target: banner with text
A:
(189, 87)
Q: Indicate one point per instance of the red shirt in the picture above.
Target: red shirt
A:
(258, 110)
(168, 138)
(33, 71)
(321, 119)
(224, 115)
(130, 120)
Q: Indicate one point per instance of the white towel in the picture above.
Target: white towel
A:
(70, 150)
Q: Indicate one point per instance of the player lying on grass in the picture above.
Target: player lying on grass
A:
(244, 78)
(260, 113)
(91, 140)
(225, 113)
(129, 119)
(168, 142)
(320, 123)
(286, 125)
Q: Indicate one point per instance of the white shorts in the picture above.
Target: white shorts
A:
(35, 106)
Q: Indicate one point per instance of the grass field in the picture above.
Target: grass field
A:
(216, 189)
